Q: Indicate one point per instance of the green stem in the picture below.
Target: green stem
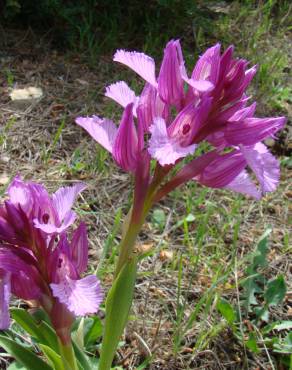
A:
(68, 356)
(120, 296)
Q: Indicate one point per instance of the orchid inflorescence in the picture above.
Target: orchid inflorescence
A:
(37, 260)
(210, 106)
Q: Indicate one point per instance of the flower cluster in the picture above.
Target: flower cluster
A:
(37, 261)
(210, 106)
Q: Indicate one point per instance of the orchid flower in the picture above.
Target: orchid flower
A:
(38, 262)
(211, 106)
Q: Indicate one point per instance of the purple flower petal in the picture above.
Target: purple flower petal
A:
(207, 67)
(104, 131)
(81, 297)
(79, 248)
(20, 194)
(243, 113)
(141, 63)
(265, 166)
(64, 198)
(125, 148)
(170, 82)
(122, 94)
(252, 130)
(165, 149)
(22, 287)
(243, 184)
(53, 228)
(222, 170)
(148, 108)
(4, 300)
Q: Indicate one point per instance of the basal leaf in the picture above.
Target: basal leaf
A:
(53, 357)
(22, 355)
(226, 310)
(16, 366)
(276, 291)
(251, 343)
(94, 332)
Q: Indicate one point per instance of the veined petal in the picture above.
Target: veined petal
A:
(252, 130)
(19, 194)
(122, 94)
(222, 170)
(125, 147)
(79, 248)
(265, 166)
(104, 131)
(165, 149)
(141, 63)
(147, 107)
(4, 300)
(64, 198)
(201, 86)
(243, 184)
(208, 66)
(81, 297)
(243, 113)
(170, 82)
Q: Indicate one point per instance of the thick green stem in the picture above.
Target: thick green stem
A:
(68, 356)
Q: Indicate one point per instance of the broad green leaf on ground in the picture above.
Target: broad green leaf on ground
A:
(278, 325)
(23, 355)
(251, 343)
(276, 291)
(259, 259)
(226, 310)
(284, 346)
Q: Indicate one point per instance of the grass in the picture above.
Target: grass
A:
(209, 235)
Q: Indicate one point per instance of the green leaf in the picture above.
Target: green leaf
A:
(24, 356)
(251, 343)
(250, 284)
(226, 310)
(26, 321)
(118, 304)
(276, 291)
(277, 325)
(54, 358)
(41, 330)
(94, 332)
(285, 346)
(82, 359)
(16, 366)
(283, 325)
(159, 218)
(50, 335)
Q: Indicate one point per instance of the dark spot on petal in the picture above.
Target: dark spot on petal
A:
(46, 218)
(186, 129)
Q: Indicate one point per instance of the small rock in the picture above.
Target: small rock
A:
(27, 93)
